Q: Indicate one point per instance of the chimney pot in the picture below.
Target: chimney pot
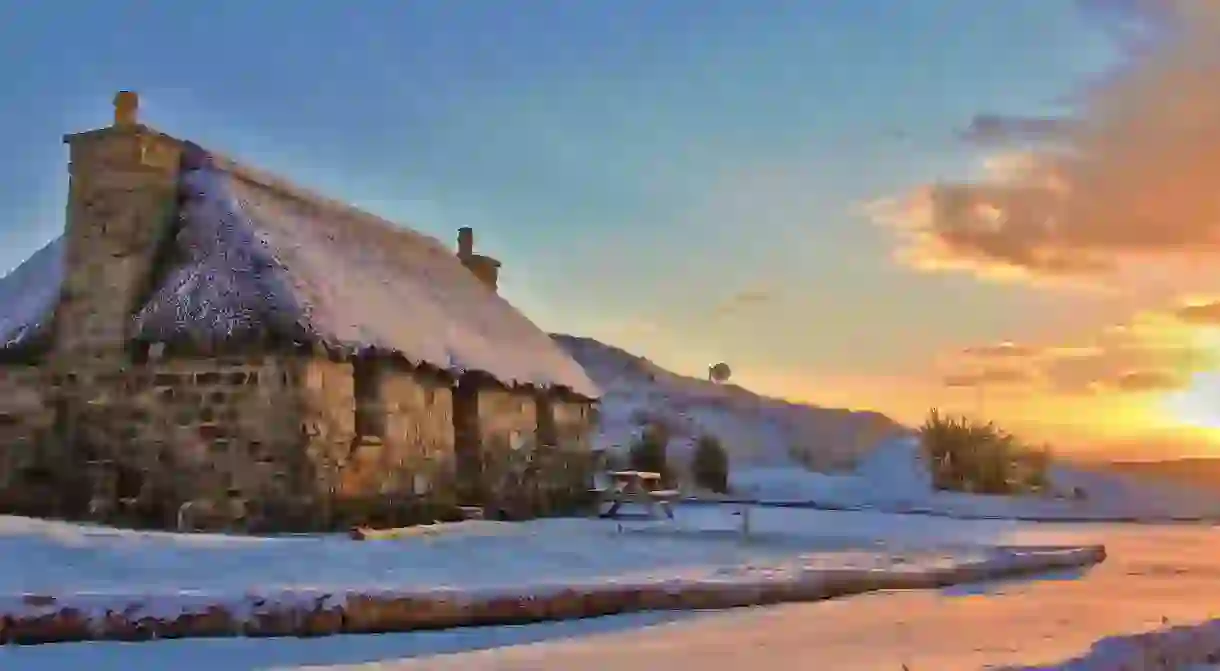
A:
(126, 108)
(465, 242)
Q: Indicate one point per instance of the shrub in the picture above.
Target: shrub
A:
(972, 456)
(649, 451)
(613, 460)
(710, 465)
(542, 480)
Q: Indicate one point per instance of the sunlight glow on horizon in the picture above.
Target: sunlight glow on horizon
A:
(1199, 404)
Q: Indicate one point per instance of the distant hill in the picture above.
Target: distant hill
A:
(757, 431)
(1202, 472)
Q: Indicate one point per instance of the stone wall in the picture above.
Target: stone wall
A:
(419, 427)
(204, 426)
(574, 421)
(508, 422)
(414, 453)
(24, 417)
(508, 418)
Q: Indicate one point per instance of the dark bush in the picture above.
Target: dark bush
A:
(710, 465)
(649, 452)
(972, 456)
(541, 481)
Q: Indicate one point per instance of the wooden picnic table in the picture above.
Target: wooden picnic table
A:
(639, 487)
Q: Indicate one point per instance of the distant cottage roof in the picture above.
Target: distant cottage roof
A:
(253, 251)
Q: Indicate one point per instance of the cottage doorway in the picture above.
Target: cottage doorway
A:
(467, 447)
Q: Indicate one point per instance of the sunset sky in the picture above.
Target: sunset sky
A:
(1007, 207)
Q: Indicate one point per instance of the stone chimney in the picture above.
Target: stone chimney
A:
(126, 109)
(122, 182)
(465, 243)
(485, 268)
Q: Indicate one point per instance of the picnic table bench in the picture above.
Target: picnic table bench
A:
(638, 487)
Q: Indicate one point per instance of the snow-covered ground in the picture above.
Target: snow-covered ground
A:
(1155, 574)
(874, 462)
(894, 478)
(98, 565)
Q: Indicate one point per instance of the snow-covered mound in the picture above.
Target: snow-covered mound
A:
(757, 431)
(894, 477)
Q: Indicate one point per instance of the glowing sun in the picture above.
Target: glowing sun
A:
(1197, 405)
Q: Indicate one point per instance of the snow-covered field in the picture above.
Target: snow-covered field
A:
(93, 567)
(893, 478)
(48, 567)
(97, 566)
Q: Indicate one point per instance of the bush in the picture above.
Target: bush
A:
(971, 456)
(542, 480)
(649, 451)
(710, 465)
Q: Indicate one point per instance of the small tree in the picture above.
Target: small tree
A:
(710, 464)
(648, 452)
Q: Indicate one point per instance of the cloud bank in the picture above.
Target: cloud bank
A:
(1132, 177)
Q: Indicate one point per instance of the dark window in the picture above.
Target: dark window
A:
(139, 352)
(370, 414)
(548, 433)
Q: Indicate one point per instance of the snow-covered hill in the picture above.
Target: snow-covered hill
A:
(757, 431)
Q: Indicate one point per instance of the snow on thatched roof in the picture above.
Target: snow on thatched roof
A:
(28, 295)
(256, 252)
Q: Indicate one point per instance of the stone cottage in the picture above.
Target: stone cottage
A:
(205, 330)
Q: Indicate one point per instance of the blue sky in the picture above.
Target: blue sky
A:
(635, 164)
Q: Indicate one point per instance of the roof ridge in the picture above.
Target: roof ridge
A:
(265, 179)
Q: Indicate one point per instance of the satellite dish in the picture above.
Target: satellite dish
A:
(719, 373)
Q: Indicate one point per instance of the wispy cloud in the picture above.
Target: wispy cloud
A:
(1202, 313)
(1141, 381)
(1003, 350)
(746, 298)
(989, 377)
(995, 129)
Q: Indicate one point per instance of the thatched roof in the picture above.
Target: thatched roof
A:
(255, 254)
(28, 296)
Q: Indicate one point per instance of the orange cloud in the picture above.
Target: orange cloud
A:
(1141, 381)
(989, 377)
(1133, 177)
(1203, 314)
(1003, 350)
(1156, 351)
